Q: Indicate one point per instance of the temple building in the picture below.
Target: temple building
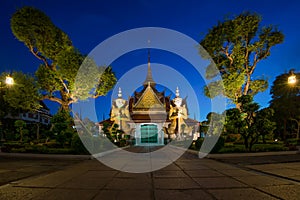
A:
(151, 117)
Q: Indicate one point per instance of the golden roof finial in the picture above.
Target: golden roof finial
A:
(149, 71)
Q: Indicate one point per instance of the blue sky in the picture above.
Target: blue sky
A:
(90, 22)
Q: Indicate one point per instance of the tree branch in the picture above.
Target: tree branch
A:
(51, 98)
(64, 85)
(227, 54)
(40, 57)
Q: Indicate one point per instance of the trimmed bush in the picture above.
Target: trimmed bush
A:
(219, 145)
(77, 145)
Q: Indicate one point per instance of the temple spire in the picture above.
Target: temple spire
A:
(177, 92)
(120, 93)
(149, 78)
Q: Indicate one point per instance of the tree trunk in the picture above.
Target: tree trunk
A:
(65, 101)
(247, 84)
(38, 131)
(284, 130)
(246, 143)
(21, 135)
(252, 142)
(264, 139)
(238, 106)
(250, 147)
(298, 129)
(65, 107)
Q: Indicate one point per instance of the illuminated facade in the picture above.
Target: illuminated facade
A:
(151, 117)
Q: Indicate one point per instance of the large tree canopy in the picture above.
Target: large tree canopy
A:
(236, 46)
(21, 96)
(60, 60)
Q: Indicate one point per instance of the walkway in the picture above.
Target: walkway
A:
(187, 178)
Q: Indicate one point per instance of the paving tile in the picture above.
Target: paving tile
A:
(124, 195)
(219, 182)
(10, 192)
(52, 179)
(175, 183)
(85, 183)
(64, 194)
(293, 165)
(192, 194)
(169, 174)
(191, 166)
(95, 164)
(238, 172)
(100, 174)
(297, 178)
(268, 166)
(290, 192)
(171, 167)
(256, 181)
(107, 194)
(13, 176)
(203, 173)
(136, 194)
(130, 183)
(132, 175)
(284, 172)
(219, 166)
(240, 194)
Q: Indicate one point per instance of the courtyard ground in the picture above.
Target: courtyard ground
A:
(231, 176)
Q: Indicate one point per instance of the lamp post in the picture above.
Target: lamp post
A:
(292, 81)
(9, 81)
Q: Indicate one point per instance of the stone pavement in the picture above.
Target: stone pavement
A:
(189, 177)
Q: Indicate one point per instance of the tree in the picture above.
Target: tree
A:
(264, 123)
(204, 127)
(250, 122)
(215, 123)
(20, 127)
(285, 102)
(62, 127)
(22, 95)
(236, 46)
(60, 60)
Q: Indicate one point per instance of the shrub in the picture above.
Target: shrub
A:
(52, 144)
(233, 137)
(233, 149)
(8, 146)
(198, 143)
(77, 145)
(269, 147)
(219, 145)
(19, 150)
(61, 151)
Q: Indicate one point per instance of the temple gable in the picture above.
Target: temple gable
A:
(148, 100)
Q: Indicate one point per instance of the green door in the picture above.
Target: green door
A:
(149, 133)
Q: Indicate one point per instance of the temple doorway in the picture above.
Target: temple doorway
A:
(149, 133)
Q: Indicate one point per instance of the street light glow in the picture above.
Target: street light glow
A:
(9, 80)
(292, 79)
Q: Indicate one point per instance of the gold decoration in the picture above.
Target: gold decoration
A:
(148, 100)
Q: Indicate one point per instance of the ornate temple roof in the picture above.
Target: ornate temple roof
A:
(149, 78)
(148, 100)
(151, 105)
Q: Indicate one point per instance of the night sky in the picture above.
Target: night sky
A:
(90, 22)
